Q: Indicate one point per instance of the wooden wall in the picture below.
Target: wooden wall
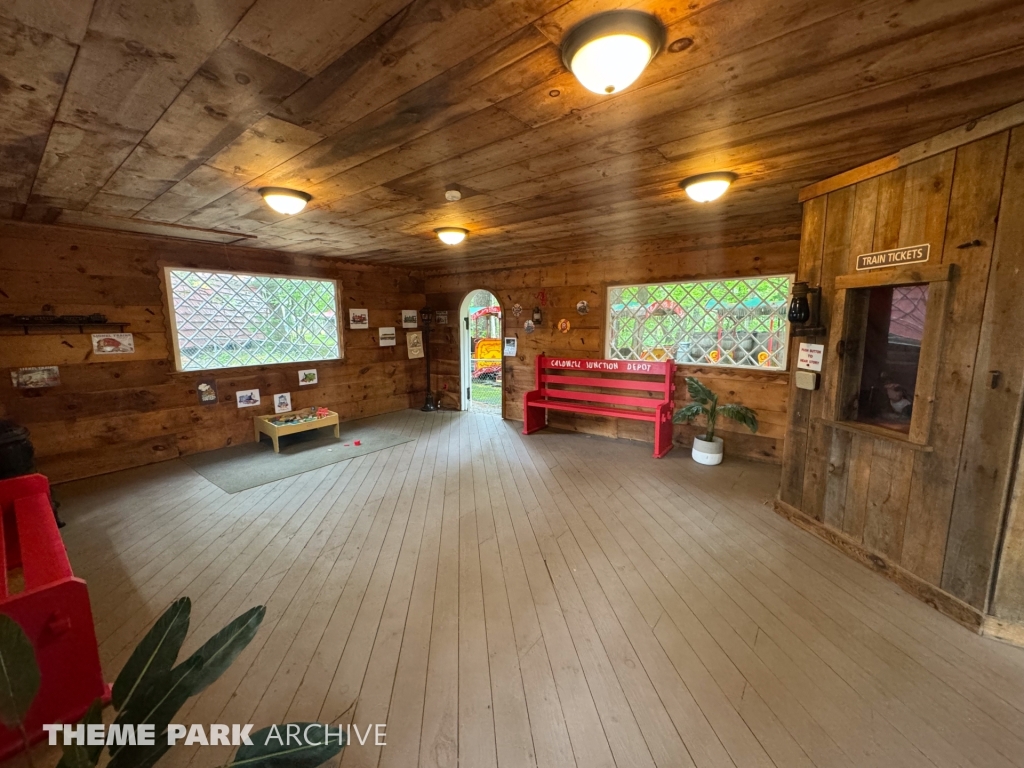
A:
(110, 412)
(935, 512)
(558, 285)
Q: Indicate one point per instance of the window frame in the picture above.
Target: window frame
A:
(782, 370)
(172, 317)
(846, 354)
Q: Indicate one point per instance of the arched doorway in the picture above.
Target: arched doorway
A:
(480, 352)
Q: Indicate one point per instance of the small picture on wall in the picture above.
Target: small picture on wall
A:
(410, 318)
(247, 398)
(386, 336)
(359, 319)
(414, 340)
(113, 344)
(207, 391)
(36, 378)
(283, 402)
(308, 377)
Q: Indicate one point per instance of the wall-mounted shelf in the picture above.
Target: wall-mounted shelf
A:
(63, 329)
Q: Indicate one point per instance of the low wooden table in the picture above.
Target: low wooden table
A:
(264, 426)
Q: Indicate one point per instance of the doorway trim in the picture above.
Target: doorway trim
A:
(465, 352)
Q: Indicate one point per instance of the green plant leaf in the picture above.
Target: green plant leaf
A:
(223, 648)
(698, 391)
(740, 413)
(280, 755)
(154, 656)
(157, 705)
(689, 413)
(81, 756)
(19, 673)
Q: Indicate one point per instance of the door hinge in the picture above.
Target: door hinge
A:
(465, 322)
(468, 395)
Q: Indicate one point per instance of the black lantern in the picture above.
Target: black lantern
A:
(536, 315)
(804, 309)
(427, 317)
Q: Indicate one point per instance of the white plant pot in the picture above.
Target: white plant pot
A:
(707, 451)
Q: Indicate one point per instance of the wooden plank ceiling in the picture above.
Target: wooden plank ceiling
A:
(166, 116)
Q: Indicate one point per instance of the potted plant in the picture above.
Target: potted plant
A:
(150, 690)
(708, 449)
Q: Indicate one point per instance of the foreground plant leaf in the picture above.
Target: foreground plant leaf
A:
(280, 755)
(154, 656)
(19, 673)
(78, 755)
(156, 705)
(218, 653)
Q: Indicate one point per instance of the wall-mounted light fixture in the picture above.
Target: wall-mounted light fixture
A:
(536, 316)
(608, 52)
(282, 200)
(804, 311)
(451, 235)
(708, 186)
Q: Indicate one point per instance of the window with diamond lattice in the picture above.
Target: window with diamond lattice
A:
(734, 323)
(230, 320)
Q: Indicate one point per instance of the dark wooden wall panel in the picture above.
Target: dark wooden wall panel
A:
(110, 413)
(990, 436)
(936, 512)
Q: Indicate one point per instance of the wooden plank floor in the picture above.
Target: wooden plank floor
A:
(550, 601)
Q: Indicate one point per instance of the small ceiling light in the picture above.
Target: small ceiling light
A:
(608, 52)
(289, 201)
(453, 194)
(708, 186)
(451, 235)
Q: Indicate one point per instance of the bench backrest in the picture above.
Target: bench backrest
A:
(29, 538)
(635, 383)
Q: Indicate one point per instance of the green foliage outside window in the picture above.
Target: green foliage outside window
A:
(739, 322)
(228, 320)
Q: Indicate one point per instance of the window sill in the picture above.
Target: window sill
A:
(882, 433)
(699, 369)
(252, 370)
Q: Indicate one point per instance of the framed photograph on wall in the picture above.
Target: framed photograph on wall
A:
(282, 402)
(386, 336)
(113, 344)
(414, 340)
(247, 398)
(36, 378)
(308, 377)
(206, 390)
(359, 319)
(410, 318)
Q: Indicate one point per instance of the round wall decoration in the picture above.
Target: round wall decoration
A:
(582, 307)
(517, 310)
(528, 326)
(564, 325)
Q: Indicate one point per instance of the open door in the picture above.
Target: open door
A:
(480, 353)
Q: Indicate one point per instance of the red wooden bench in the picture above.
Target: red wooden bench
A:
(53, 609)
(565, 384)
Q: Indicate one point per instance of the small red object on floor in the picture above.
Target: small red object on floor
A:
(357, 442)
(53, 610)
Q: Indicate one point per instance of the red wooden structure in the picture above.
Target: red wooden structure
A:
(53, 610)
(565, 384)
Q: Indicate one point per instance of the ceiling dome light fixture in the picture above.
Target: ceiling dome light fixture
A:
(289, 201)
(451, 235)
(608, 52)
(708, 186)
